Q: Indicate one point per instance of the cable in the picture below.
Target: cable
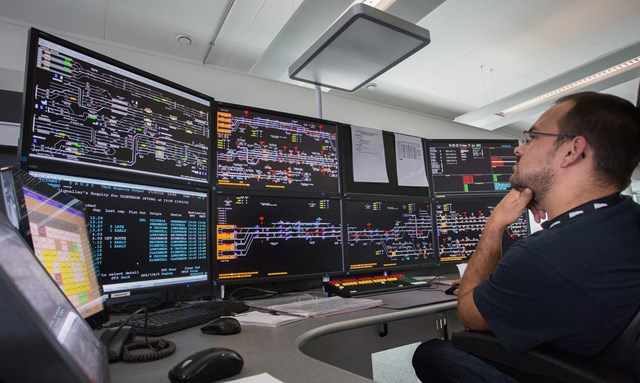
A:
(160, 348)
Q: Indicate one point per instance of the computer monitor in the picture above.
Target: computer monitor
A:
(88, 113)
(470, 167)
(43, 336)
(262, 150)
(459, 222)
(55, 225)
(145, 237)
(385, 233)
(262, 238)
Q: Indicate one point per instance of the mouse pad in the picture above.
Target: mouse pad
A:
(413, 298)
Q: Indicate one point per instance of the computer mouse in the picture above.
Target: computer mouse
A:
(451, 290)
(115, 340)
(206, 366)
(221, 326)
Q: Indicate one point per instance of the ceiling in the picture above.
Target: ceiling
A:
(481, 51)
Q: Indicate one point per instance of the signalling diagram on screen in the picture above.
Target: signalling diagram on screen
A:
(259, 151)
(272, 237)
(460, 223)
(92, 113)
(388, 234)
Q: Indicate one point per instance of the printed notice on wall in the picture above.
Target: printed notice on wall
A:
(410, 161)
(368, 155)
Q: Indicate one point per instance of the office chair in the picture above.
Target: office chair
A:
(618, 362)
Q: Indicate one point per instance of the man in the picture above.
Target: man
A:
(576, 284)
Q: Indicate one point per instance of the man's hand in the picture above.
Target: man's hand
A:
(512, 206)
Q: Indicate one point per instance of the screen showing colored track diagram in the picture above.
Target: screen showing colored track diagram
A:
(84, 110)
(264, 151)
(388, 234)
(459, 223)
(471, 167)
(143, 236)
(274, 237)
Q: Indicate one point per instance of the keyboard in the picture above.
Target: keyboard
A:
(348, 288)
(173, 319)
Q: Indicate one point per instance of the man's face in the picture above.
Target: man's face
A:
(535, 167)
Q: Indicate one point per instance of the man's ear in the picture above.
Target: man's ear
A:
(575, 151)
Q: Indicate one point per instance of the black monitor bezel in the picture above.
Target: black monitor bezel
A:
(271, 279)
(285, 115)
(29, 162)
(430, 142)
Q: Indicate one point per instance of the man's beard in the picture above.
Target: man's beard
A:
(539, 180)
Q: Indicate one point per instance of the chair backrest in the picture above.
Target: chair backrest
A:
(623, 352)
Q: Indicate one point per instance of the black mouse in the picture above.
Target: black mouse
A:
(451, 290)
(221, 326)
(206, 366)
(115, 340)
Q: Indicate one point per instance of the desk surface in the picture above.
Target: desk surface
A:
(277, 351)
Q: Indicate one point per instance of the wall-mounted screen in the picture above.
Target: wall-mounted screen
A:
(459, 222)
(459, 167)
(265, 150)
(260, 237)
(384, 233)
(143, 236)
(85, 112)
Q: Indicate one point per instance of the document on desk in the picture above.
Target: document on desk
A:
(326, 306)
(258, 318)
(260, 378)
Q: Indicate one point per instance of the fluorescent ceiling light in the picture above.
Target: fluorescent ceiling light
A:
(615, 68)
(362, 44)
(611, 71)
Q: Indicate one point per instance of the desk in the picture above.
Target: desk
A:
(331, 349)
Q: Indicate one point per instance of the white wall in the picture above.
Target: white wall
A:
(229, 86)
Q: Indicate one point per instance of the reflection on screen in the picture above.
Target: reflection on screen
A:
(61, 242)
(51, 306)
(261, 151)
(384, 234)
(460, 221)
(143, 236)
(275, 237)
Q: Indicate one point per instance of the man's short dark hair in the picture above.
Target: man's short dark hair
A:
(611, 125)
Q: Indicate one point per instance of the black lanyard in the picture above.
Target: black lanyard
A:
(588, 207)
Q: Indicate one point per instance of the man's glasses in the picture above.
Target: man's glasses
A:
(529, 135)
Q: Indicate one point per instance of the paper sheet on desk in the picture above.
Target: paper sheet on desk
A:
(260, 378)
(258, 318)
(326, 306)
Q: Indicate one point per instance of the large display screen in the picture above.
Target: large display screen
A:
(459, 167)
(388, 233)
(276, 237)
(263, 150)
(460, 220)
(143, 236)
(86, 112)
